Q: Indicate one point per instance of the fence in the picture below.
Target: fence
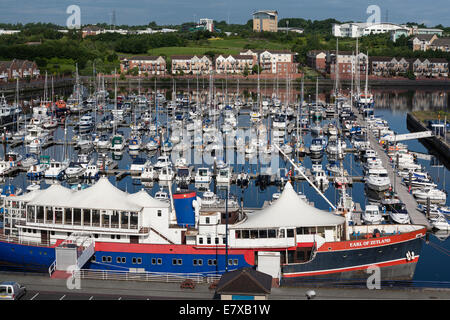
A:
(143, 276)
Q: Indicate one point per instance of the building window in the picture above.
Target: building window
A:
(207, 220)
(159, 213)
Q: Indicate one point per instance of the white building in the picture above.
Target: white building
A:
(353, 30)
(8, 32)
(208, 24)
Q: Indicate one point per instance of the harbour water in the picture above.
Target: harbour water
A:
(432, 269)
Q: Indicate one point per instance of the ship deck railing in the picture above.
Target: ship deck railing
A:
(144, 276)
(17, 240)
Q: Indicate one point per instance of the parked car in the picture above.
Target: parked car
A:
(11, 290)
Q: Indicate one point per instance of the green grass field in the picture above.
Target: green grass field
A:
(224, 46)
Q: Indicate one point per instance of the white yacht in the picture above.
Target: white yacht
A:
(162, 161)
(378, 179)
(435, 195)
(91, 172)
(321, 179)
(56, 169)
(148, 174)
(439, 221)
(166, 174)
(203, 175)
(224, 176)
(372, 215)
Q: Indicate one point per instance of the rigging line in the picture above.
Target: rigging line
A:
(438, 248)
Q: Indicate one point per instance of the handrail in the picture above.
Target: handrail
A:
(52, 268)
(13, 239)
(144, 276)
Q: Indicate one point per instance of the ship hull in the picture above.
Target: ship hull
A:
(396, 257)
(392, 260)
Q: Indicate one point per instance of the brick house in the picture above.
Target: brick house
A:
(152, 65)
(345, 62)
(18, 69)
(317, 59)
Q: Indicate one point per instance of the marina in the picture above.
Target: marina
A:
(196, 183)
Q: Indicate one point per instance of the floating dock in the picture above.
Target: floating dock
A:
(407, 198)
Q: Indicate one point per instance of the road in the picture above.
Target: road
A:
(41, 287)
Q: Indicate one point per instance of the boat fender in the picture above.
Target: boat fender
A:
(412, 255)
(408, 256)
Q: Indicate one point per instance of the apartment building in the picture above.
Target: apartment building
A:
(354, 30)
(151, 65)
(191, 64)
(233, 63)
(274, 61)
(440, 44)
(346, 63)
(265, 20)
(18, 69)
(317, 59)
(422, 42)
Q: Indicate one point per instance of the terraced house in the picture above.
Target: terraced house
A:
(234, 63)
(428, 68)
(151, 65)
(191, 64)
(388, 66)
(18, 69)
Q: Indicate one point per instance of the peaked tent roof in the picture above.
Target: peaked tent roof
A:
(289, 211)
(56, 195)
(101, 195)
(142, 198)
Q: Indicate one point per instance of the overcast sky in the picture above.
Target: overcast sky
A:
(431, 12)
